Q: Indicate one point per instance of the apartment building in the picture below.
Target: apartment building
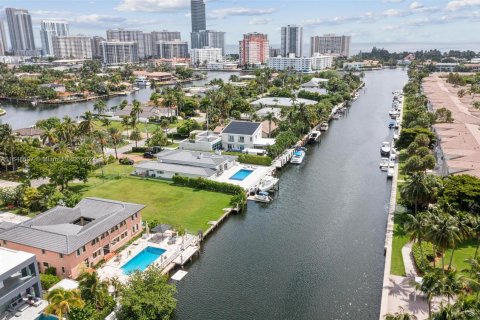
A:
(76, 47)
(254, 49)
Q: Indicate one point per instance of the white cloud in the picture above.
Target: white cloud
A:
(240, 11)
(416, 5)
(153, 5)
(98, 19)
(259, 21)
(392, 1)
(459, 4)
(394, 13)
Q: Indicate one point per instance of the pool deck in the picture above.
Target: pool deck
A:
(176, 253)
(251, 181)
(30, 313)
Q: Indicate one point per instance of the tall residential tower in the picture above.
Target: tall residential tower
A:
(49, 29)
(254, 49)
(199, 22)
(21, 32)
(292, 40)
(3, 39)
(330, 44)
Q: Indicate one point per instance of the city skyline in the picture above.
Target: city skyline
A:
(376, 21)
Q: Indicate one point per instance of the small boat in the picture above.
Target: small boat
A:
(383, 164)
(397, 124)
(267, 183)
(336, 116)
(396, 136)
(263, 197)
(390, 172)
(324, 126)
(391, 125)
(135, 89)
(2, 112)
(314, 136)
(356, 95)
(385, 148)
(142, 81)
(298, 156)
(393, 114)
(34, 103)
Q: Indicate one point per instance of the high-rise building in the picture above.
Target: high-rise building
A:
(301, 64)
(254, 49)
(3, 39)
(164, 35)
(208, 38)
(76, 47)
(20, 30)
(96, 40)
(144, 44)
(330, 44)
(205, 56)
(199, 22)
(49, 29)
(172, 49)
(119, 52)
(275, 52)
(292, 40)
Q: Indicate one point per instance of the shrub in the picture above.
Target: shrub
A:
(408, 135)
(255, 159)
(209, 185)
(51, 270)
(139, 149)
(48, 281)
(428, 255)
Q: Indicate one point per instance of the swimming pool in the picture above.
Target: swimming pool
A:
(44, 316)
(142, 260)
(241, 174)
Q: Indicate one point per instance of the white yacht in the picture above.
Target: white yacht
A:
(267, 183)
(314, 136)
(142, 81)
(385, 148)
(383, 164)
(263, 197)
(390, 172)
(298, 156)
(324, 126)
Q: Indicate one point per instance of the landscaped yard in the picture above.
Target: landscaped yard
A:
(399, 240)
(164, 202)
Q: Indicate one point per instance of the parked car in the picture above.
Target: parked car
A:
(126, 161)
(148, 155)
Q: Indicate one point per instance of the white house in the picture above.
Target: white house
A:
(240, 135)
(185, 163)
(202, 141)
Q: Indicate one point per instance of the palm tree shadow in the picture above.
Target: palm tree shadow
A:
(398, 288)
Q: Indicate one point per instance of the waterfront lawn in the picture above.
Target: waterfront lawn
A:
(165, 203)
(114, 170)
(464, 251)
(400, 239)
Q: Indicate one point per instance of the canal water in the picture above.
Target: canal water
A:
(316, 252)
(25, 115)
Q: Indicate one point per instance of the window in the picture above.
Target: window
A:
(60, 255)
(63, 269)
(79, 252)
(231, 139)
(43, 251)
(97, 253)
(251, 139)
(241, 139)
(4, 241)
(45, 264)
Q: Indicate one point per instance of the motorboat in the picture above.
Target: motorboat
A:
(393, 114)
(397, 124)
(383, 163)
(267, 183)
(298, 156)
(355, 96)
(385, 148)
(142, 81)
(396, 136)
(390, 172)
(324, 126)
(393, 156)
(314, 136)
(263, 197)
(391, 125)
(336, 116)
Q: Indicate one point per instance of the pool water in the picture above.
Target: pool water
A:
(241, 174)
(44, 316)
(142, 260)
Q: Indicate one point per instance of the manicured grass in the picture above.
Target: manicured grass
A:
(150, 127)
(400, 239)
(164, 202)
(464, 251)
(113, 170)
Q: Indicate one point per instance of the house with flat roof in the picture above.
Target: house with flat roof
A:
(281, 102)
(185, 163)
(19, 280)
(240, 135)
(201, 141)
(70, 239)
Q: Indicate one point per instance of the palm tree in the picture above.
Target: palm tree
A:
(126, 123)
(431, 286)
(270, 117)
(106, 122)
(452, 284)
(444, 232)
(99, 107)
(136, 109)
(463, 224)
(416, 226)
(420, 189)
(49, 137)
(102, 139)
(86, 126)
(93, 289)
(123, 104)
(7, 139)
(61, 301)
(136, 136)
(116, 137)
(400, 315)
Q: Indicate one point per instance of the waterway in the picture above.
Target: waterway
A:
(24, 115)
(316, 252)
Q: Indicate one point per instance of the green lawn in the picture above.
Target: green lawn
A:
(464, 251)
(113, 170)
(400, 239)
(164, 202)
(150, 127)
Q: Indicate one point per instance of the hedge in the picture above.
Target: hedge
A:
(139, 149)
(255, 159)
(209, 185)
(48, 281)
(428, 255)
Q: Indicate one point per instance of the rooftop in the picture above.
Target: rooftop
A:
(64, 230)
(279, 101)
(241, 127)
(9, 259)
(192, 158)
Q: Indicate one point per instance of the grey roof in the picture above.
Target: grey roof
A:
(242, 127)
(176, 168)
(54, 229)
(279, 101)
(6, 225)
(193, 158)
(161, 228)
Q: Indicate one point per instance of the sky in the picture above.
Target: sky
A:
(367, 21)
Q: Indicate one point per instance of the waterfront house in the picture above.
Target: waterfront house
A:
(185, 163)
(240, 135)
(201, 141)
(281, 102)
(32, 133)
(57, 87)
(18, 280)
(70, 239)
